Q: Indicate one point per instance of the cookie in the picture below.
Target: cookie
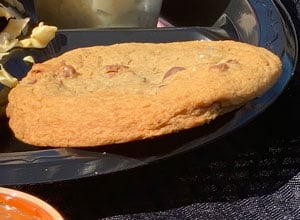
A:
(131, 91)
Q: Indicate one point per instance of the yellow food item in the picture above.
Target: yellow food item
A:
(6, 78)
(39, 38)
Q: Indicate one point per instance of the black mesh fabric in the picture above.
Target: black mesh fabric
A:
(283, 204)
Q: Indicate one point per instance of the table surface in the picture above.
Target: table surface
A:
(255, 161)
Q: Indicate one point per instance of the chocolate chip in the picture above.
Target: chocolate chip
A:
(173, 71)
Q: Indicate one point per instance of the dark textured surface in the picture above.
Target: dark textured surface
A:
(250, 174)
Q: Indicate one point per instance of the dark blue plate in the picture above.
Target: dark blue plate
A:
(259, 22)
